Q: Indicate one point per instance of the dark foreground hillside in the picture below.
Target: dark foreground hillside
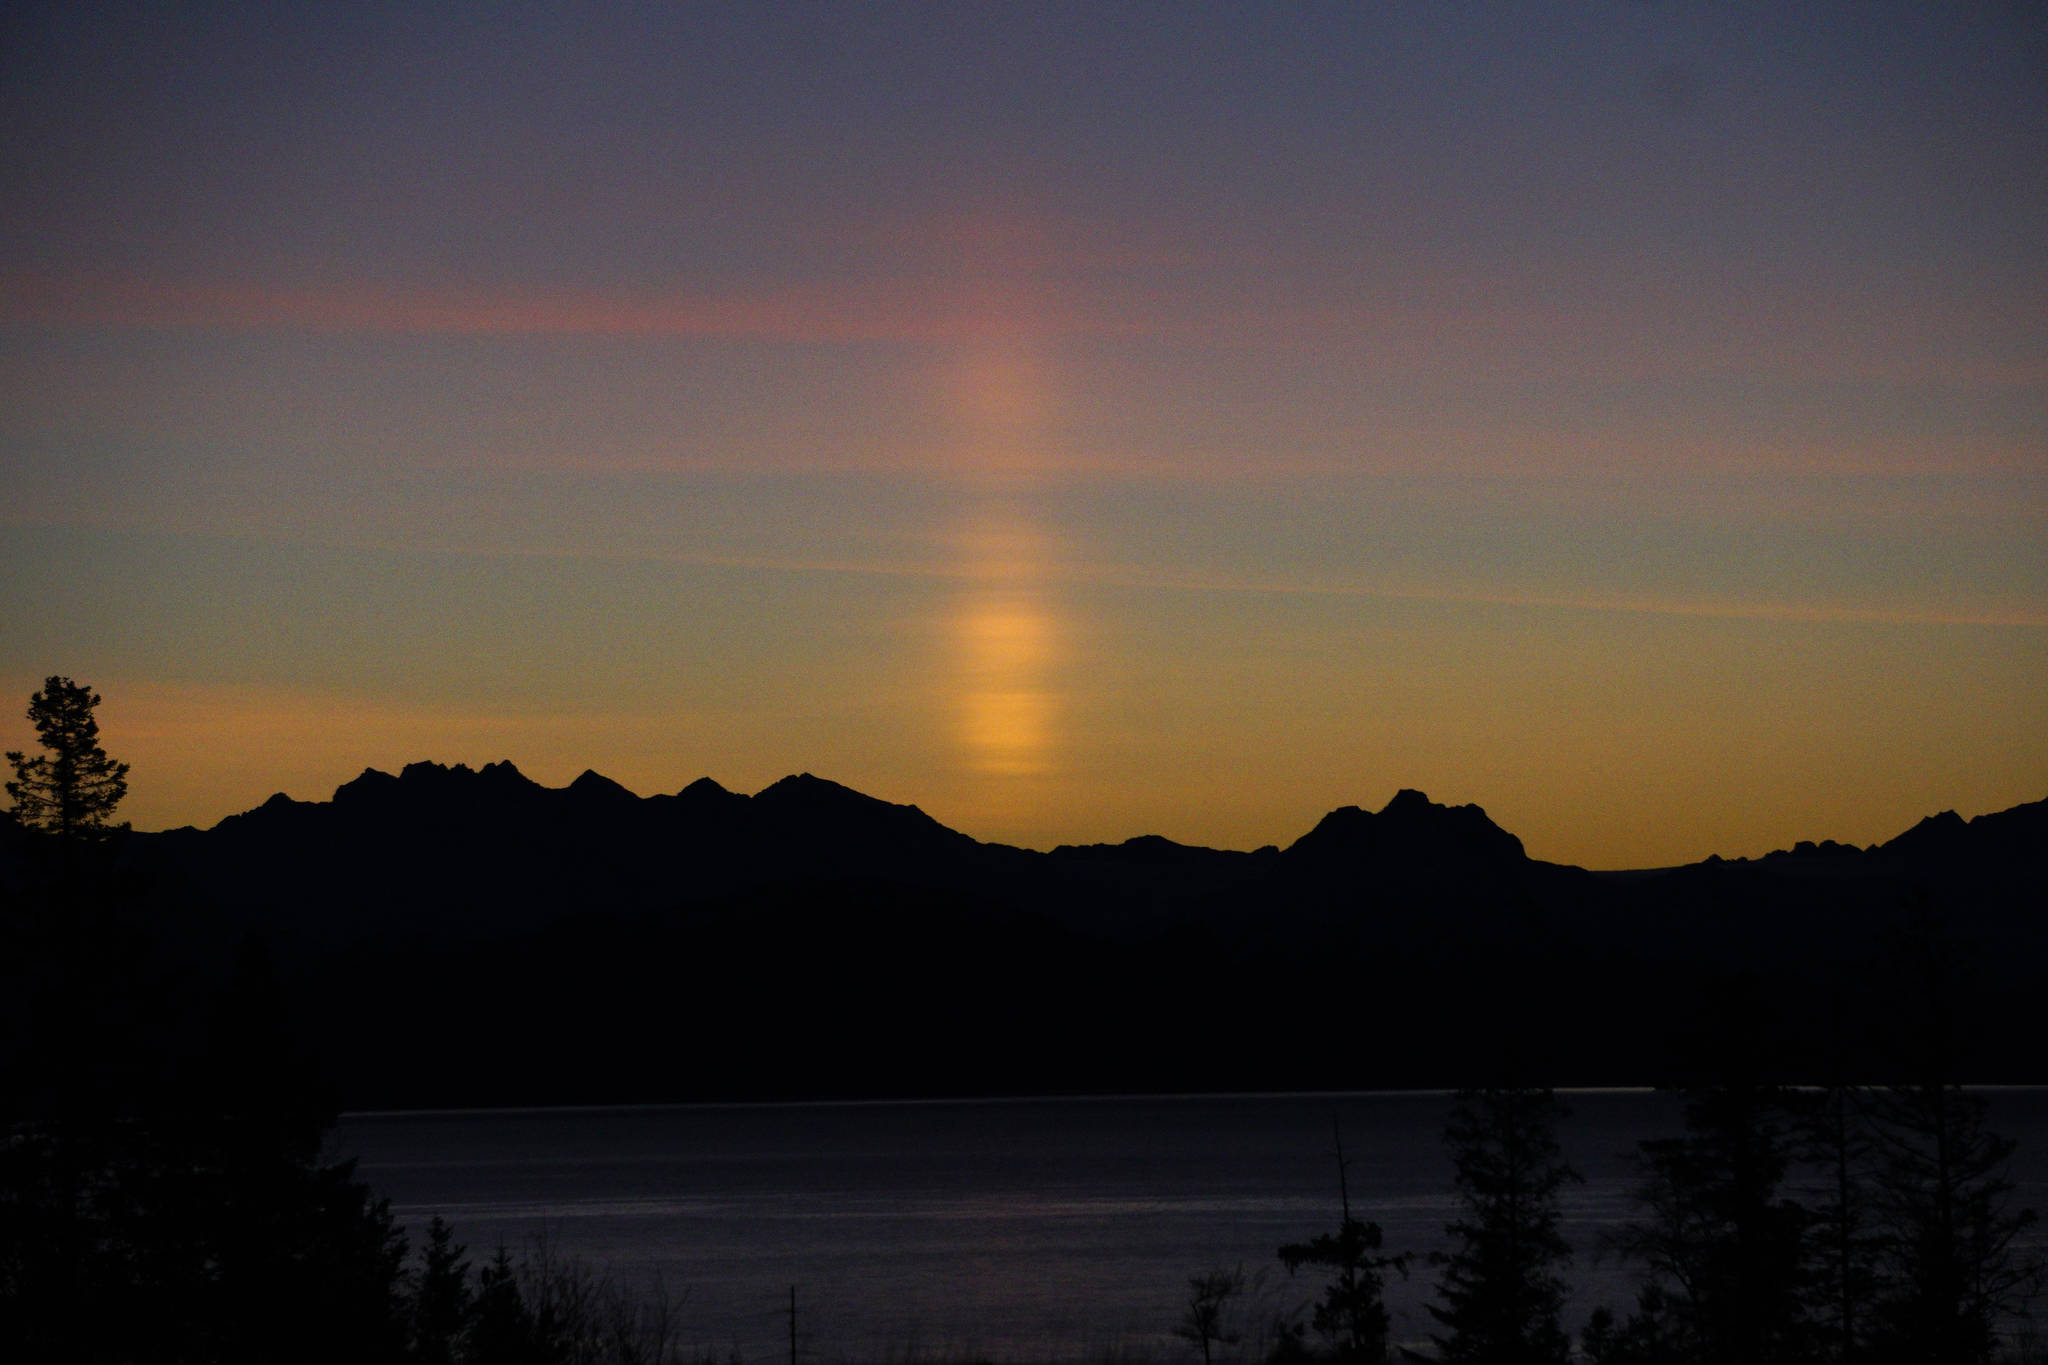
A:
(448, 936)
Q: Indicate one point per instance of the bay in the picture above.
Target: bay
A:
(1013, 1230)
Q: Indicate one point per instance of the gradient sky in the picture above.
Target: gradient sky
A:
(1080, 420)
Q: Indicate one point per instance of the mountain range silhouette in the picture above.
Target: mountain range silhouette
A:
(459, 936)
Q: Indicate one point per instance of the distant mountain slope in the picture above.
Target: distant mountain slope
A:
(809, 939)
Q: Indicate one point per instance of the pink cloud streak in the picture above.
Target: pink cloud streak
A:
(813, 315)
(1440, 327)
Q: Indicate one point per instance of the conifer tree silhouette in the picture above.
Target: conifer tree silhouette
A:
(442, 1302)
(1501, 1292)
(1352, 1314)
(71, 790)
(1723, 1242)
(1843, 1238)
(1952, 1267)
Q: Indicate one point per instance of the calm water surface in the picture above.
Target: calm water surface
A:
(1024, 1230)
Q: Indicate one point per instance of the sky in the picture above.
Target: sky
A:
(1081, 421)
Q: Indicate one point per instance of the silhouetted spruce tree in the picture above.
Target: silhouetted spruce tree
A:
(91, 1034)
(1951, 1269)
(197, 1221)
(1501, 1292)
(1723, 1244)
(72, 789)
(163, 1194)
(441, 1298)
(1352, 1314)
(502, 1329)
(1842, 1237)
(289, 1239)
(1648, 1336)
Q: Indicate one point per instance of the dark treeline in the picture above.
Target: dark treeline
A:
(1838, 1222)
(1832, 1223)
(165, 1195)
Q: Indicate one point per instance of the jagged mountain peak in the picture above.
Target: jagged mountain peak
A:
(366, 785)
(809, 787)
(805, 791)
(278, 808)
(591, 784)
(506, 772)
(1930, 828)
(453, 787)
(1949, 835)
(1410, 829)
(704, 799)
(805, 799)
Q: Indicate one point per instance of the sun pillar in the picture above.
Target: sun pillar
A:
(1004, 632)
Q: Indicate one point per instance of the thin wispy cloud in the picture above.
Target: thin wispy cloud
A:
(1072, 574)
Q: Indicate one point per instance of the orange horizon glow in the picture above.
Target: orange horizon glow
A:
(201, 753)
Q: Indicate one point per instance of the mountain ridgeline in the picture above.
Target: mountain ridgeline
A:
(460, 936)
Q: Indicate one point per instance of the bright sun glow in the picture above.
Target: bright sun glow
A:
(1007, 711)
